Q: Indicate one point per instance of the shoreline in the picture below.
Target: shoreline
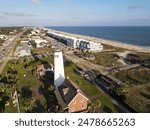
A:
(128, 46)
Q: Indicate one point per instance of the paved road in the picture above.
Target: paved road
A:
(6, 54)
(6, 47)
(122, 67)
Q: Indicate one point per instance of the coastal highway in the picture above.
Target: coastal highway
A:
(7, 50)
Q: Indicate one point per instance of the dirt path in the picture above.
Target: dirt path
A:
(85, 64)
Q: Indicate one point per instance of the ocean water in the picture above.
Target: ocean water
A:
(132, 35)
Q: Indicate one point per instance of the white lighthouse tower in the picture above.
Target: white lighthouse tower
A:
(59, 75)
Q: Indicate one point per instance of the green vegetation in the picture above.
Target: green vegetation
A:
(16, 45)
(24, 35)
(112, 48)
(34, 95)
(138, 81)
(86, 87)
(1, 41)
(106, 59)
(138, 98)
(86, 55)
(33, 44)
(7, 30)
(143, 55)
(27, 32)
(133, 77)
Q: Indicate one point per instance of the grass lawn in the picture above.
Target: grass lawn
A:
(86, 86)
(107, 105)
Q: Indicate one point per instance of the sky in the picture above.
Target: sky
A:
(74, 12)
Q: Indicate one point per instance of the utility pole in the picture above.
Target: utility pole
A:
(16, 100)
(18, 106)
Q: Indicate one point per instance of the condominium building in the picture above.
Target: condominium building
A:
(74, 42)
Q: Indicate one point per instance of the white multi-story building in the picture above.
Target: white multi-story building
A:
(90, 46)
(65, 39)
(39, 41)
(74, 42)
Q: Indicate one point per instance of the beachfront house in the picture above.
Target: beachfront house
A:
(65, 39)
(71, 41)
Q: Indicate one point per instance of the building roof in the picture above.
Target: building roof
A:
(23, 48)
(44, 67)
(66, 92)
(2, 36)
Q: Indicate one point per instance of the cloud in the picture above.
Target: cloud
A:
(18, 14)
(3, 17)
(140, 20)
(35, 1)
(136, 6)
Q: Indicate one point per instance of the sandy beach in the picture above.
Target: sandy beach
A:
(110, 42)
